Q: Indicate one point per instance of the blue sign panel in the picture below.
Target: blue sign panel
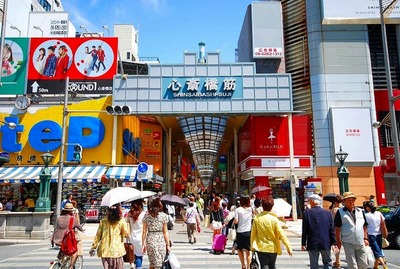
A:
(143, 167)
(202, 87)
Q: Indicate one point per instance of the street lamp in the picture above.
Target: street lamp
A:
(11, 125)
(342, 171)
(83, 28)
(43, 203)
(16, 28)
(105, 27)
(39, 29)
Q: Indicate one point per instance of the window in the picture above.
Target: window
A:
(128, 55)
(46, 5)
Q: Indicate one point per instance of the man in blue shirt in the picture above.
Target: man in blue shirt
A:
(318, 233)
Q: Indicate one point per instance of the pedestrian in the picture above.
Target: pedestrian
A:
(336, 204)
(109, 239)
(216, 216)
(9, 205)
(200, 205)
(192, 221)
(351, 232)
(68, 199)
(62, 226)
(376, 224)
(372, 198)
(171, 212)
(318, 236)
(135, 221)
(267, 235)
(243, 217)
(155, 237)
(225, 213)
(230, 224)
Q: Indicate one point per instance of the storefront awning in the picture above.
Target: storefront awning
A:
(30, 174)
(128, 173)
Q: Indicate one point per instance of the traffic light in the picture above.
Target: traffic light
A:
(118, 110)
(77, 156)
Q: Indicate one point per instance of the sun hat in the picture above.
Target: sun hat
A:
(348, 194)
(68, 207)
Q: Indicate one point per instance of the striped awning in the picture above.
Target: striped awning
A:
(128, 173)
(30, 174)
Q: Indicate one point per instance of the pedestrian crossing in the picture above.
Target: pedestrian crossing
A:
(191, 256)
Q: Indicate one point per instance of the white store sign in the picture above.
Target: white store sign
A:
(352, 129)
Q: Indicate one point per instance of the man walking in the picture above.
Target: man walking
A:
(351, 232)
(318, 233)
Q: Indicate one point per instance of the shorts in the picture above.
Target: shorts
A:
(243, 240)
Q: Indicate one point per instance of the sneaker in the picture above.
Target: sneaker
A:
(194, 239)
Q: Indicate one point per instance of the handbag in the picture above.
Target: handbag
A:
(385, 242)
(173, 261)
(166, 264)
(232, 233)
(254, 263)
(129, 255)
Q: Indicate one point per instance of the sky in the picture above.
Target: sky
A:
(167, 28)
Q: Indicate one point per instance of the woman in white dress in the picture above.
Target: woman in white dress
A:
(135, 221)
(40, 61)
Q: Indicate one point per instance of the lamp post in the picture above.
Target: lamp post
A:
(43, 203)
(392, 98)
(342, 171)
(16, 28)
(39, 29)
(84, 28)
(105, 27)
(11, 125)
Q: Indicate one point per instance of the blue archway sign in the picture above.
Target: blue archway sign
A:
(143, 167)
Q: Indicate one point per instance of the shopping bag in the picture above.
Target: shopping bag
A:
(207, 221)
(254, 263)
(166, 264)
(129, 256)
(232, 234)
(173, 261)
(370, 256)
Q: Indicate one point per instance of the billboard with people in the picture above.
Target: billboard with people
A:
(89, 63)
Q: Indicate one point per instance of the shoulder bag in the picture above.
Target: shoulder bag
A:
(384, 230)
(232, 232)
(254, 263)
(129, 255)
(69, 245)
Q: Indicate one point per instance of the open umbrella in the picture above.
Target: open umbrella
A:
(330, 197)
(281, 208)
(172, 199)
(120, 194)
(260, 188)
(143, 194)
(186, 200)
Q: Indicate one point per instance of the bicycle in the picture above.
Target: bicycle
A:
(64, 261)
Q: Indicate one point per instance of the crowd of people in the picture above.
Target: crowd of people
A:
(346, 226)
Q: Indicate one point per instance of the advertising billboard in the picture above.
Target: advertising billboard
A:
(13, 71)
(90, 64)
(352, 130)
(358, 12)
(48, 24)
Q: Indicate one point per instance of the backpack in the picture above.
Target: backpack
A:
(69, 245)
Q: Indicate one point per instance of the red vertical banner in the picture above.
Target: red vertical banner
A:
(184, 168)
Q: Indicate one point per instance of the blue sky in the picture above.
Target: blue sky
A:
(167, 27)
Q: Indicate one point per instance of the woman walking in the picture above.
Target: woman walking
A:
(243, 217)
(266, 236)
(375, 221)
(155, 238)
(109, 239)
(135, 221)
(216, 216)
